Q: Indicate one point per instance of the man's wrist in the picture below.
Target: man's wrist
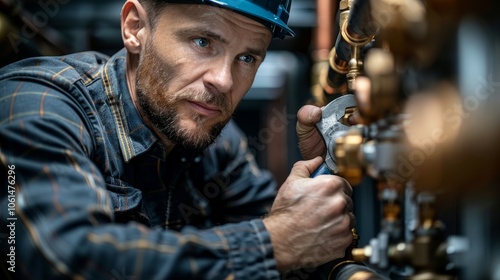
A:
(265, 246)
(279, 250)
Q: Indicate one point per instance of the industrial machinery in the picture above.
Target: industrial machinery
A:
(428, 132)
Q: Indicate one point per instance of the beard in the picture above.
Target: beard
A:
(160, 107)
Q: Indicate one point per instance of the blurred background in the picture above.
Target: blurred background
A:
(427, 206)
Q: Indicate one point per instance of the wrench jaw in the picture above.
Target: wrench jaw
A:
(332, 126)
(327, 131)
(330, 159)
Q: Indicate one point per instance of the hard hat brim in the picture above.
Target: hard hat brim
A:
(275, 21)
(249, 8)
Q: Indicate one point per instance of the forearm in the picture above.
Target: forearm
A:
(108, 251)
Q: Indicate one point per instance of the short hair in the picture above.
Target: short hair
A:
(153, 9)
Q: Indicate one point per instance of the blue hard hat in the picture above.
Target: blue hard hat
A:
(272, 13)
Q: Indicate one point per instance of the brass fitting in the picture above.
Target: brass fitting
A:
(336, 63)
(362, 254)
(348, 155)
(355, 67)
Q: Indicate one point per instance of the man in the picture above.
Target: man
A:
(115, 172)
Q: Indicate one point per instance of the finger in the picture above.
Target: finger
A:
(303, 129)
(304, 169)
(353, 220)
(346, 187)
(309, 115)
(349, 204)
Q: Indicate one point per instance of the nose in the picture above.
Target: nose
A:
(219, 76)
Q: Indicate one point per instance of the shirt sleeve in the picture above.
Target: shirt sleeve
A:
(64, 217)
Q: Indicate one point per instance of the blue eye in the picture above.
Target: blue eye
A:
(247, 58)
(202, 42)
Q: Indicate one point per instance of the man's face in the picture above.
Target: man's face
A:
(197, 64)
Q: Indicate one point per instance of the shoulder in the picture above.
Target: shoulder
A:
(45, 83)
(46, 90)
(62, 71)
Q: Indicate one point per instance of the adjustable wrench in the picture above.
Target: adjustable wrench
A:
(330, 127)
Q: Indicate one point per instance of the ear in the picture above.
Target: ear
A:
(134, 26)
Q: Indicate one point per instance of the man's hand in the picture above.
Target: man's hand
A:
(311, 219)
(311, 143)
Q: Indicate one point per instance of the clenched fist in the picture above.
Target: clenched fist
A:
(311, 219)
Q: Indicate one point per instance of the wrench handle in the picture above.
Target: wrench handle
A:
(322, 170)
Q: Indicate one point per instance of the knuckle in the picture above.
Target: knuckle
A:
(337, 207)
(348, 240)
(298, 164)
(344, 226)
(347, 222)
(342, 184)
(353, 220)
(341, 203)
(349, 204)
(330, 184)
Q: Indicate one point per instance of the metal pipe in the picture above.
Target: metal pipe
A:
(354, 34)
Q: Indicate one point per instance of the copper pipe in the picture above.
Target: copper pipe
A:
(323, 35)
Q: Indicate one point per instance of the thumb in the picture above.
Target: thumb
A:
(307, 117)
(304, 169)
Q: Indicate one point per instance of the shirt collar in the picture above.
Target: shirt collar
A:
(134, 136)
